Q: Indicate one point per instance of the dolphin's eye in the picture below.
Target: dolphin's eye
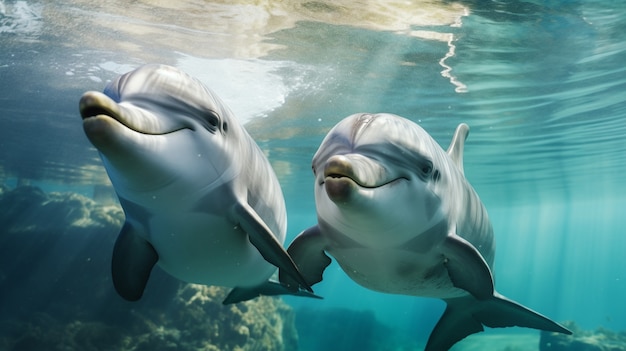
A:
(212, 121)
(225, 127)
(426, 169)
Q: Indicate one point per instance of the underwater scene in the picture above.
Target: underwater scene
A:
(137, 213)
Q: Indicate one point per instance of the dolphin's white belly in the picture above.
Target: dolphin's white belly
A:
(206, 249)
(398, 271)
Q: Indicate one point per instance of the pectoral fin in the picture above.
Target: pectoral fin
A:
(467, 268)
(261, 236)
(307, 251)
(133, 259)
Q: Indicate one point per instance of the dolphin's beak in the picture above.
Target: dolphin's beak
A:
(347, 174)
(339, 167)
(95, 106)
(339, 179)
(362, 170)
(121, 131)
(102, 122)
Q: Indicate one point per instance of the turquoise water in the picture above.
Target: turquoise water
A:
(541, 84)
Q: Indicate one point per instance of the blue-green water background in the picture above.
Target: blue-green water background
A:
(541, 84)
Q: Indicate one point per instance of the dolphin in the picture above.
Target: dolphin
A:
(396, 212)
(200, 198)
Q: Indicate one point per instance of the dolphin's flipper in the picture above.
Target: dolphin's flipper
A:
(307, 251)
(260, 235)
(269, 288)
(466, 315)
(467, 268)
(133, 259)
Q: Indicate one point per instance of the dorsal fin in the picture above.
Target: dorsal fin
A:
(455, 150)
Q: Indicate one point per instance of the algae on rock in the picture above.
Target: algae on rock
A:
(56, 291)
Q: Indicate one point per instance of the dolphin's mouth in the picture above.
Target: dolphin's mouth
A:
(340, 168)
(332, 174)
(95, 105)
(336, 176)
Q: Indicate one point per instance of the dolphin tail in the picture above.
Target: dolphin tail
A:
(467, 315)
(269, 288)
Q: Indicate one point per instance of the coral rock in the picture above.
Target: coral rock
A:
(582, 340)
(56, 291)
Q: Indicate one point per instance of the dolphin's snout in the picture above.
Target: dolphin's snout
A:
(101, 117)
(345, 175)
(338, 166)
(93, 103)
(95, 107)
(339, 179)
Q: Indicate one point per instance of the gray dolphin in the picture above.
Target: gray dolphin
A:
(396, 212)
(199, 196)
